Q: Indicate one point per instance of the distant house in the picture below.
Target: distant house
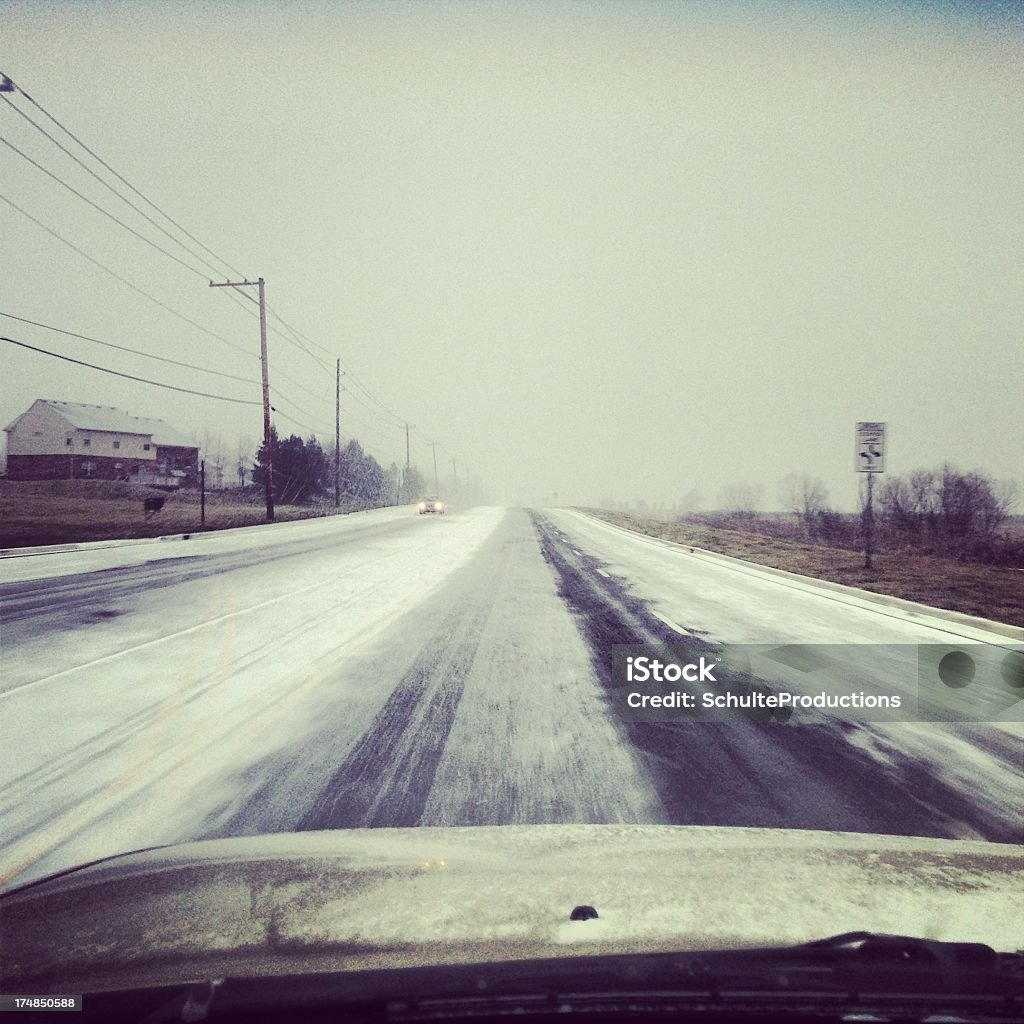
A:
(71, 441)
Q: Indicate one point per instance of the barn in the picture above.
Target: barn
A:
(55, 440)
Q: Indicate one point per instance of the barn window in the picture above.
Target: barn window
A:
(67, 441)
(145, 447)
(117, 444)
(86, 441)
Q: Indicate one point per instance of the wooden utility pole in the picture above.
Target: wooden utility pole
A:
(437, 486)
(268, 455)
(408, 460)
(337, 436)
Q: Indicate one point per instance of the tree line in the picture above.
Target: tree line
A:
(941, 511)
(304, 474)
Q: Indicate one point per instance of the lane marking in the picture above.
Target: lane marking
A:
(671, 624)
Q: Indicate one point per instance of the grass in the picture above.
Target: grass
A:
(988, 591)
(72, 511)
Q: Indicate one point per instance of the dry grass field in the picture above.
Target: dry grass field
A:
(70, 511)
(989, 591)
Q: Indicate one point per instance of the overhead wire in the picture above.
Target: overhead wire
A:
(235, 295)
(128, 376)
(74, 334)
(67, 131)
(125, 348)
(137, 234)
(106, 184)
(294, 336)
(121, 278)
(106, 213)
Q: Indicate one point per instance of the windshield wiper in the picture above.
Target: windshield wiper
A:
(870, 976)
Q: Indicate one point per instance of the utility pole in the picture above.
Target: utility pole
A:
(455, 477)
(268, 459)
(337, 435)
(408, 461)
(437, 486)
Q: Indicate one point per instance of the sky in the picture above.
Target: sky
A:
(622, 250)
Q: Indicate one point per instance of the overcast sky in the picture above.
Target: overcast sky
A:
(601, 249)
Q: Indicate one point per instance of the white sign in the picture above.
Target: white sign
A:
(869, 451)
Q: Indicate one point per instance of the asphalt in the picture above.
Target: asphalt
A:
(486, 702)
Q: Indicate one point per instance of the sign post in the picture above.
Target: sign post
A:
(869, 457)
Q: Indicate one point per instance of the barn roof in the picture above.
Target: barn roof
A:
(107, 418)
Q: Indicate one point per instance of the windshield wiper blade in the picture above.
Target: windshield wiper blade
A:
(892, 950)
(856, 972)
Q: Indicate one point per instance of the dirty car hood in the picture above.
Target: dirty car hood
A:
(378, 898)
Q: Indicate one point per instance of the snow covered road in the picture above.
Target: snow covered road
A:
(386, 669)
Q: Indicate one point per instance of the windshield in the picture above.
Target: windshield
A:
(479, 416)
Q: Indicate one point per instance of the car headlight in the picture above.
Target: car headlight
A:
(438, 506)
(423, 506)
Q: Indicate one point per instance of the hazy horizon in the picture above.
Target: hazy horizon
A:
(604, 250)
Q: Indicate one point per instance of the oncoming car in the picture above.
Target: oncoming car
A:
(431, 504)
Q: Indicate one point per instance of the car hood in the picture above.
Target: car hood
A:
(374, 898)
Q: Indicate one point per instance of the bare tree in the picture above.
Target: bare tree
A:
(243, 460)
(946, 508)
(803, 495)
(213, 452)
(741, 498)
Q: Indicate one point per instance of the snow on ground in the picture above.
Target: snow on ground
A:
(186, 681)
(744, 604)
(18, 565)
(737, 604)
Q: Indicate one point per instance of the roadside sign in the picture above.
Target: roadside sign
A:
(869, 450)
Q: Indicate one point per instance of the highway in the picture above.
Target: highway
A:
(387, 669)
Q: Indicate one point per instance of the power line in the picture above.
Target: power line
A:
(296, 337)
(294, 404)
(305, 426)
(199, 273)
(67, 131)
(299, 334)
(129, 376)
(294, 341)
(100, 209)
(369, 426)
(106, 184)
(137, 234)
(124, 348)
(123, 280)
